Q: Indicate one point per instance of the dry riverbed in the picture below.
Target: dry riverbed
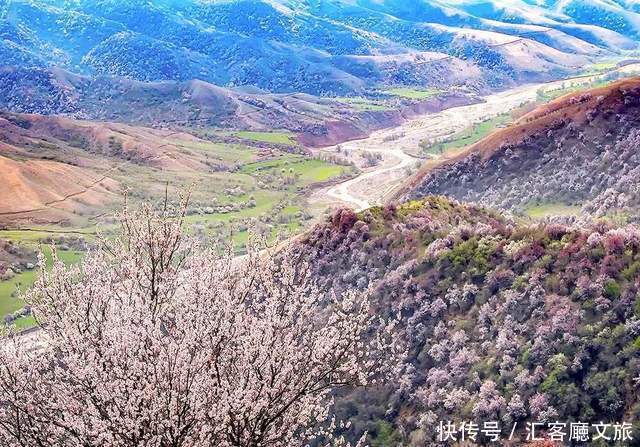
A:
(399, 147)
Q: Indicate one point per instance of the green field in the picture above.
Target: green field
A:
(265, 201)
(227, 153)
(364, 104)
(285, 138)
(469, 136)
(413, 93)
(307, 171)
(10, 290)
(539, 211)
(604, 65)
(546, 95)
(24, 323)
(35, 235)
(600, 73)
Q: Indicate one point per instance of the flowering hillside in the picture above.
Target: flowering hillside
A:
(505, 322)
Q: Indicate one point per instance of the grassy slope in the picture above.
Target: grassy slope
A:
(309, 171)
(258, 180)
(549, 95)
(413, 93)
(391, 99)
(468, 136)
(362, 104)
(11, 289)
(267, 137)
(551, 209)
(227, 153)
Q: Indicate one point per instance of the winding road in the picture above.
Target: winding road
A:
(400, 146)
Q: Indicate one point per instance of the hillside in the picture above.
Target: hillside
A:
(579, 150)
(322, 48)
(64, 175)
(607, 24)
(318, 121)
(64, 178)
(35, 187)
(504, 322)
(57, 170)
(271, 47)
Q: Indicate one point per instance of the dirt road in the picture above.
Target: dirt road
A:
(399, 146)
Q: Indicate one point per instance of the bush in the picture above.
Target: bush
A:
(612, 289)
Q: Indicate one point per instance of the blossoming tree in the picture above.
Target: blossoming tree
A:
(157, 340)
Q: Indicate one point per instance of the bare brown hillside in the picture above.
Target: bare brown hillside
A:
(47, 190)
(55, 169)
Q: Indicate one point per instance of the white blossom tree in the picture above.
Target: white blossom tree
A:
(157, 340)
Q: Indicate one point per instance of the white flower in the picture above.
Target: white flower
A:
(166, 336)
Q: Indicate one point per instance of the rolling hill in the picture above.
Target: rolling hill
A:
(605, 24)
(269, 47)
(318, 121)
(56, 170)
(62, 172)
(579, 150)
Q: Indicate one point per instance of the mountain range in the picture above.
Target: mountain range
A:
(322, 47)
(249, 104)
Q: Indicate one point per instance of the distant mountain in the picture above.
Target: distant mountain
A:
(608, 14)
(322, 47)
(605, 24)
(580, 150)
(56, 91)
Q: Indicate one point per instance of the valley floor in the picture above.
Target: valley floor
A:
(401, 149)
(386, 160)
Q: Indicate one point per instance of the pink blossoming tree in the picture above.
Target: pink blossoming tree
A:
(155, 340)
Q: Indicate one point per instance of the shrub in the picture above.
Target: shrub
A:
(612, 289)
